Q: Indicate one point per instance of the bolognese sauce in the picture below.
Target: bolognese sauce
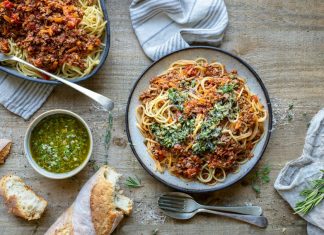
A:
(47, 30)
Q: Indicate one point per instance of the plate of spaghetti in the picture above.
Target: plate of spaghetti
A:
(198, 119)
(68, 38)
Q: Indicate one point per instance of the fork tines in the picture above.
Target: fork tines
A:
(171, 203)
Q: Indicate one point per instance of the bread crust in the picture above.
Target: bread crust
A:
(93, 211)
(102, 206)
(5, 146)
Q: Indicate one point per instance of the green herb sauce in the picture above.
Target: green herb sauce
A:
(172, 135)
(59, 143)
(177, 98)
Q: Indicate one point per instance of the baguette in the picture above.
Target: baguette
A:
(98, 208)
(20, 199)
(5, 146)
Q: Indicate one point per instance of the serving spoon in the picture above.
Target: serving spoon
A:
(106, 103)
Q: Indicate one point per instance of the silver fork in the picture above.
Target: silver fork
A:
(181, 202)
(107, 103)
(259, 221)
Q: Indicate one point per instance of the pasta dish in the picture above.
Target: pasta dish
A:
(200, 122)
(60, 36)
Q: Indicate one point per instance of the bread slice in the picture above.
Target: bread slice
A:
(5, 146)
(20, 198)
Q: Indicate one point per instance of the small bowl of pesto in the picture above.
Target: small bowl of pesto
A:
(58, 144)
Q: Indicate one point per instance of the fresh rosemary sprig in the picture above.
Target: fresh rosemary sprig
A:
(313, 197)
(133, 182)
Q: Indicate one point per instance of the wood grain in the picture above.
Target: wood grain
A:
(282, 40)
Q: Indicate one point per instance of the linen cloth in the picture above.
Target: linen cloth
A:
(22, 97)
(164, 26)
(297, 174)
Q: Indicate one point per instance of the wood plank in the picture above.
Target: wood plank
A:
(282, 40)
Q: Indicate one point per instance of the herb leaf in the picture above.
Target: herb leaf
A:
(313, 196)
(260, 178)
(133, 182)
(256, 188)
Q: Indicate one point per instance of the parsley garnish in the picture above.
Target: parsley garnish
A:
(171, 135)
(227, 88)
(177, 98)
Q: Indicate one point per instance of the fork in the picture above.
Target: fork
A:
(107, 103)
(181, 202)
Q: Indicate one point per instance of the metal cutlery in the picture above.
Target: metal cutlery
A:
(259, 221)
(183, 206)
(107, 103)
(181, 202)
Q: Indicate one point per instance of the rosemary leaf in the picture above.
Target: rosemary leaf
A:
(312, 197)
(133, 182)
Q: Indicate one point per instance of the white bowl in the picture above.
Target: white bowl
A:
(43, 171)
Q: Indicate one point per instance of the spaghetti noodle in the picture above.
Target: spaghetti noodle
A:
(200, 122)
(62, 37)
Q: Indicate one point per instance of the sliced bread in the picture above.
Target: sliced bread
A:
(20, 199)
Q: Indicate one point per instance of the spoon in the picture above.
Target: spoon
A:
(107, 103)
(259, 221)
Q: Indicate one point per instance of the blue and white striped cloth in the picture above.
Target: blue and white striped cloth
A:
(22, 97)
(164, 26)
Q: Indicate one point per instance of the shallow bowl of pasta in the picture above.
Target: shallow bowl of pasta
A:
(199, 119)
(73, 42)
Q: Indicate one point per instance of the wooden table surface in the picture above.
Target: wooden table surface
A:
(282, 40)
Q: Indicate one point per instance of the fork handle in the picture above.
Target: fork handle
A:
(107, 103)
(259, 221)
(246, 210)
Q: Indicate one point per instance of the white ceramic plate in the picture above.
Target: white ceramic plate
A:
(137, 141)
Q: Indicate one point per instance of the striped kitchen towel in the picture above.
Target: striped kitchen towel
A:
(22, 97)
(164, 26)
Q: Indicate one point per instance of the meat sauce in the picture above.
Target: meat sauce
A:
(48, 31)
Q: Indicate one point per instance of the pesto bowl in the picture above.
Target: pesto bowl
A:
(29, 153)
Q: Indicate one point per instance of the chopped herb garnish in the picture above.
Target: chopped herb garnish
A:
(177, 98)
(175, 134)
(313, 196)
(133, 182)
(155, 231)
(291, 106)
(209, 134)
(227, 88)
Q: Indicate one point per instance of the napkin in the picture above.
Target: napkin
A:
(297, 174)
(22, 97)
(167, 25)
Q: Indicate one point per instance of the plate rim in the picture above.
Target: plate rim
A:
(103, 56)
(268, 102)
